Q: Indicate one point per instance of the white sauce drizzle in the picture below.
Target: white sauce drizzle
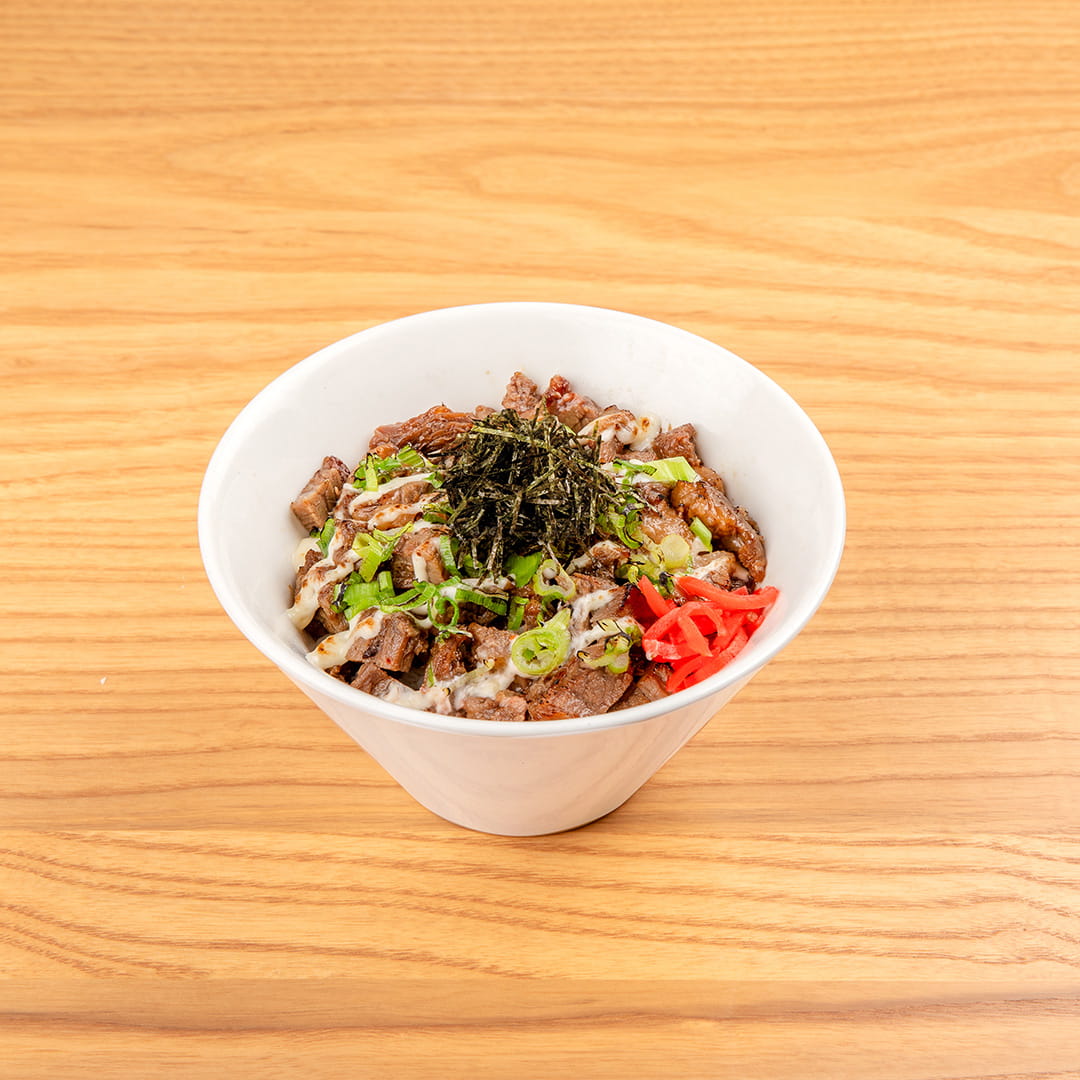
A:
(646, 429)
(333, 649)
(419, 567)
(303, 548)
(581, 633)
(390, 517)
(352, 497)
(448, 695)
(336, 566)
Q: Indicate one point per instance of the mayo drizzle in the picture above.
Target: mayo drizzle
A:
(450, 694)
(326, 571)
(332, 650)
(352, 497)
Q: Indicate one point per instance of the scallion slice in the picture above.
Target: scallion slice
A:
(701, 531)
(522, 567)
(538, 651)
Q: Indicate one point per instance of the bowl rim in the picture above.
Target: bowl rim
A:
(313, 681)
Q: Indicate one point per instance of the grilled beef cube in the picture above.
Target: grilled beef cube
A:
(719, 568)
(371, 679)
(662, 520)
(333, 621)
(576, 690)
(406, 497)
(605, 555)
(712, 476)
(447, 658)
(505, 705)
(395, 647)
(521, 395)
(490, 644)
(310, 559)
(574, 410)
(432, 432)
(608, 609)
(680, 441)
(650, 685)
(316, 501)
(612, 430)
(424, 544)
(730, 524)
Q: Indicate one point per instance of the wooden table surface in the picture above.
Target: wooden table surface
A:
(869, 867)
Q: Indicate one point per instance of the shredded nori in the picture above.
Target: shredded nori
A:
(517, 484)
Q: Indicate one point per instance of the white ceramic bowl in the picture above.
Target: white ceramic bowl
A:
(516, 779)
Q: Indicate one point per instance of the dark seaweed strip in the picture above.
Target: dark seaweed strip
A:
(517, 484)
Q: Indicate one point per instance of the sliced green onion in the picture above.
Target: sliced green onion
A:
(371, 476)
(624, 526)
(410, 458)
(536, 652)
(357, 596)
(517, 612)
(631, 467)
(324, 535)
(552, 582)
(675, 552)
(443, 610)
(371, 558)
(374, 469)
(385, 582)
(625, 633)
(701, 531)
(403, 601)
(446, 553)
(492, 601)
(374, 548)
(671, 470)
(522, 567)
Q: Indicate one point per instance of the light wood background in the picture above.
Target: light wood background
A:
(869, 866)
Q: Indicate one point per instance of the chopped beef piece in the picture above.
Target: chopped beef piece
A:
(332, 619)
(342, 542)
(719, 568)
(712, 476)
(424, 545)
(680, 441)
(447, 658)
(316, 501)
(505, 705)
(574, 410)
(661, 520)
(605, 608)
(576, 690)
(477, 613)
(607, 554)
(614, 429)
(521, 395)
(490, 643)
(650, 685)
(310, 559)
(371, 679)
(653, 493)
(396, 645)
(610, 608)
(432, 432)
(353, 506)
(588, 583)
(729, 524)
(532, 611)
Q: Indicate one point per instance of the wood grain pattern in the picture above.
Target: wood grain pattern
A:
(869, 867)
